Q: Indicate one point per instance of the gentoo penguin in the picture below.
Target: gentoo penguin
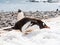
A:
(32, 21)
(22, 20)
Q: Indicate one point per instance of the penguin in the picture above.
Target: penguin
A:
(22, 22)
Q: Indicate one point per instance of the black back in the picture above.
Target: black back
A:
(23, 21)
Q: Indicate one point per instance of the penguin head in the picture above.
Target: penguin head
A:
(19, 10)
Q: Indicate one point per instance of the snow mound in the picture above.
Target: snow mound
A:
(38, 37)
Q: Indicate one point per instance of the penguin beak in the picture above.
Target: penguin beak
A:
(46, 27)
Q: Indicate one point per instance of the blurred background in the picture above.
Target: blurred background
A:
(29, 5)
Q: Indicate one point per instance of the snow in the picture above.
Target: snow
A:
(37, 37)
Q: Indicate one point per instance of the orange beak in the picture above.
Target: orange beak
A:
(46, 27)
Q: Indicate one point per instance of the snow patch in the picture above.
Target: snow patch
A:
(37, 37)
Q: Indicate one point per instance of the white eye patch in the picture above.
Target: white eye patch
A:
(43, 24)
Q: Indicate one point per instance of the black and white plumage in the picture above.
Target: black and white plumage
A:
(32, 21)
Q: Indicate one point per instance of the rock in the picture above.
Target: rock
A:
(10, 18)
